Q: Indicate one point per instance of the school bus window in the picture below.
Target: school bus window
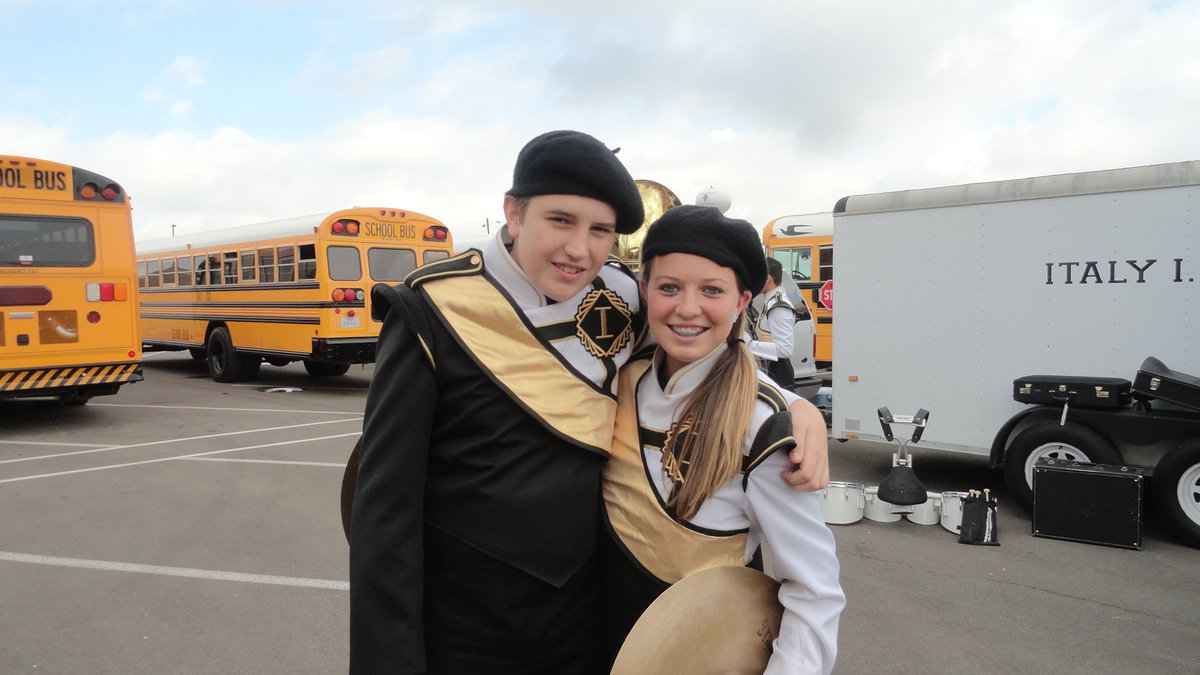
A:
(152, 273)
(201, 269)
(185, 271)
(46, 242)
(390, 264)
(214, 270)
(266, 265)
(430, 256)
(307, 268)
(168, 272)
(287, 263)
(248, 266)
(231, 268)
(825, 262)
(344, 263)
(141, 275)
(797, 261)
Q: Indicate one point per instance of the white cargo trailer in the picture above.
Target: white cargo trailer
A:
(947, 296)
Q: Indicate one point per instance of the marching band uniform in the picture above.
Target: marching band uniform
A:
(476, 512)
(773, 334)
(648, 549)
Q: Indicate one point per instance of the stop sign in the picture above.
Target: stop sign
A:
(826, 294)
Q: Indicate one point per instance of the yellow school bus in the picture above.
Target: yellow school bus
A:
(68, 295)
(804, 244)
(296, 289)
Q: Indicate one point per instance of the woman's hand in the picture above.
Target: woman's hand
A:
(810, 457)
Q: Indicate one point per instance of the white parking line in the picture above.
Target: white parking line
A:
(64, 445)
(174, 440)
(216, 575)
(169, 459)
(342, 465)
(202, 407)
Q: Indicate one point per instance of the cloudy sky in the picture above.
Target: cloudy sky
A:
(219, 113)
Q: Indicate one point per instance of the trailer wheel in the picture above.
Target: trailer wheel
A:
(224, 363)
(1051, 440)
(1176, 488)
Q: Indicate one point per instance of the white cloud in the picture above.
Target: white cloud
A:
(185, 71)
(787, 106)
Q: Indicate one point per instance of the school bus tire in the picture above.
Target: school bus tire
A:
(1176, 489)
(224, 363)
(325, 368)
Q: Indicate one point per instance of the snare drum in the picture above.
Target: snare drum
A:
(842, 503)
(952, 510)
(927, 513)
(878, 510)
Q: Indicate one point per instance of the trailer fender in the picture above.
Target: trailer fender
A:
(1005, 434)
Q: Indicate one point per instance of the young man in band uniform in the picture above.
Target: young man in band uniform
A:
(476, 511)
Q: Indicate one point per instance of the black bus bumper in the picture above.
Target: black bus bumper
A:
(344, 350)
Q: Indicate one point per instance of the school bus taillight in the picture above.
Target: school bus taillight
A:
(97, 292)
(345, 227)
(348, 294)
(435, 233)
(93, 317)
(109, 193)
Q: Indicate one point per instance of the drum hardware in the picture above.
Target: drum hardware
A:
(879, 510)
(951, 512)
(927, 513)
(848, 503)
(843, 503)
(901, 486)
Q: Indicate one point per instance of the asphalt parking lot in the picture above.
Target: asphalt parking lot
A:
(186, 526)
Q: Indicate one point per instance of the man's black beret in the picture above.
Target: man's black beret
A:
(706, 232)
(574, 163)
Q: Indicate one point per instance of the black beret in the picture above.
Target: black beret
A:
(574, 163)
(706, 232)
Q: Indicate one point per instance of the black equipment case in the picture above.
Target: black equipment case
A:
(1089, 503)
(1083, 392)
(1156, 381)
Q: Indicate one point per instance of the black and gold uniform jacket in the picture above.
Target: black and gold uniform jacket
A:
(488, 419)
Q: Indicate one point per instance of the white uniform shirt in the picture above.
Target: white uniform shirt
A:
(788, 523)
(779, 319)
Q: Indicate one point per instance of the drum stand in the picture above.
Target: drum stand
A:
(901, 486)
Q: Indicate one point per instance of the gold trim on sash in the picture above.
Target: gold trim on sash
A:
(494, 332)
(665, 548)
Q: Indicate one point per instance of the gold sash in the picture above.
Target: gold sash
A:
(495, 332)
(665, 548)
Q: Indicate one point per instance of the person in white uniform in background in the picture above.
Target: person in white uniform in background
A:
(771, 339)
(701, 436)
